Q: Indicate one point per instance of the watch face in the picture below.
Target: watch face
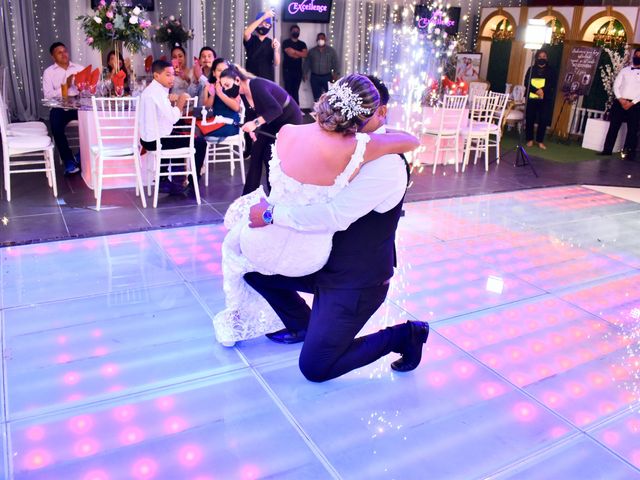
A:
(267, 216)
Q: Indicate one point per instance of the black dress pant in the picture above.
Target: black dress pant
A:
(319, 84)
(59, 119)
(538, 111)
(292, 80)
(338, 314)
(618, 116)
(199, 143)
(260, 155)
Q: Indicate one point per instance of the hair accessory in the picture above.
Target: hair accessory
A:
(341, 96)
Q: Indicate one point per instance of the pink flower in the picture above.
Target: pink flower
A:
(103, 3)
(110, 14)
(168, 30)
(109, 26)
(89, 40)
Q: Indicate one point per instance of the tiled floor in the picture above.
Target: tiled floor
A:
(110, 369)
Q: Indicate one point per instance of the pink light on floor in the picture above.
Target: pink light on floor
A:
(464, 369)
(190, 455)
(109, 370)
(144, 468)
(100, 351)
(131, 435)
(175, 425)
(36, 459)
(249, 472)
(436, 379)
(124, 413)
(96, 475)
(63, 358)
(71, 378)
(524, 411)
(165, 404)
(96, 333)
(35, 433)
(61, 339)
(490, 390)
(81, 424)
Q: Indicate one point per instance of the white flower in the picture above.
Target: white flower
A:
(133, 20)
(172, 18)
(97, 19)
(137, 11)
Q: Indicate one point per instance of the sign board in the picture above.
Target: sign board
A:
(306, 11)
(581, 70)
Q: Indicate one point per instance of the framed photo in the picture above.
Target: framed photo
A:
(468, 67)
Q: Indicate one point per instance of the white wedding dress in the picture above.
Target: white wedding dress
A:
(273, 249)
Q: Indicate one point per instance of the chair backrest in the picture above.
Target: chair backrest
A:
(502, 100)
(483, 108)
(116, 121)
(4, 127)
(518, 93)
(186, 125)
(190, 107)
(452, 112)
(507, 88)
(477, 88)
(3, 82)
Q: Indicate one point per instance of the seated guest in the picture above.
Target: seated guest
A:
(111, 68)
(222, 103)
(183, 73)
(57, 81)
(202, 73)
(157, 105)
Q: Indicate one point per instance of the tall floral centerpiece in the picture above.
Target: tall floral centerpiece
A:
(111, 23)
(172, 32)
(610, 72)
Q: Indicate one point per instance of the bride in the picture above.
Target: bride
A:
(310, 164)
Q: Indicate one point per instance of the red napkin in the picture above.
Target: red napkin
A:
(207, 129)
(118, 79)
(95, 76)
(83, 75)
(147, 63)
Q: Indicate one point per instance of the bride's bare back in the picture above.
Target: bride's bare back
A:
(314, 156)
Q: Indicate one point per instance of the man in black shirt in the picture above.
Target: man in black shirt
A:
(294, 51)
(263, 54)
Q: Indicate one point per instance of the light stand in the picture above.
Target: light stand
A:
(536, 35)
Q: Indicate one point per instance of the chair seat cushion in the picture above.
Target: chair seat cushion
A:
(114, 150)
(32, 143)
(515, 115)
(176, 152)
(444, 131)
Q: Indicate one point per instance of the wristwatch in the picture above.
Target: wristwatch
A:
(267, 215)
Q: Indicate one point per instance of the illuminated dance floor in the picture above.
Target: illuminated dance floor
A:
(532, 369)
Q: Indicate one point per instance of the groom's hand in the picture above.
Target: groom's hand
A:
(255, 214)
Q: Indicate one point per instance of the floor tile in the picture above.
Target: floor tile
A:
(34, 228)
(222, 428)
(181, 215)
(75, 268)
(622, 435)
(64, 353)
(88, 222)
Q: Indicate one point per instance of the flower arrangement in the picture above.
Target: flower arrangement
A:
(610, 72)
(113, 22)
(171, 31)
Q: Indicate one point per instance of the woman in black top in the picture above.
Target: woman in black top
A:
(269, 107)
(542, 85)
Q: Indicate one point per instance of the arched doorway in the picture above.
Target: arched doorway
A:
(501, 29)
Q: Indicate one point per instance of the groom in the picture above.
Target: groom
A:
(355, 281)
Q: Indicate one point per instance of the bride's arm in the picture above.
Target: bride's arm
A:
(386, 143)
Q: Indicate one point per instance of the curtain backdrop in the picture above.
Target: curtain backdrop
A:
(30, 26)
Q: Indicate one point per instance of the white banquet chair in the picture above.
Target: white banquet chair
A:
(447, 130)
(497, 127)
(226, 149)
(514, 115)
(116, 124)
(479, 129)
(477, 88)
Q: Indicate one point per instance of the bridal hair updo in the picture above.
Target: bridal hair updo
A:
(348, 104)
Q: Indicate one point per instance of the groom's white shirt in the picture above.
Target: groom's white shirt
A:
(379, 185)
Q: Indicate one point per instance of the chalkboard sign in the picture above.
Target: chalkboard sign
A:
(307, 11)
(581, 70)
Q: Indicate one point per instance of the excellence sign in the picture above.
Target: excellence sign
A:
(313, 11)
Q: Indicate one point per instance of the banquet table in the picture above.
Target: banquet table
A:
(88, 139)
(398, 117)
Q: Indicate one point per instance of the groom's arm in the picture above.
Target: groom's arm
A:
(380, 185)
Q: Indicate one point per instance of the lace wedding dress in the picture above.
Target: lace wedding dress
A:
(272, 250)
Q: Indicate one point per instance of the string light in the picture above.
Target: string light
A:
(232, 53)
(12, 60)
(203, 16)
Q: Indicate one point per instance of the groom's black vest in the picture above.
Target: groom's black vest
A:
(364, 254)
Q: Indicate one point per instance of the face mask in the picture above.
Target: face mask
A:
(295, 34)
(636, 61)
(321, 43)
(541, 62)
(232, 92)
(263, 30)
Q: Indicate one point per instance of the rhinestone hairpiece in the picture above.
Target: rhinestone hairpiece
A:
(350, 104)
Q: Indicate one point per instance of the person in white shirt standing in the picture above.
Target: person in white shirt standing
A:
(58, 81)
(626, 108)
(157, 105)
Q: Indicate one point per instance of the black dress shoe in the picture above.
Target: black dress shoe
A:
(285, 336)
(412, 354)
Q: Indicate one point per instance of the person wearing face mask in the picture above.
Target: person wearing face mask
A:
(294, 51)
(322, 63)
(542, 84)
(626, 108)
(220, 103)
(263, 53)
(269, 107)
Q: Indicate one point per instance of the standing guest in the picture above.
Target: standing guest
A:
(182, 82)
(57, 81)
(263, 54)
(322, 62)
(542, 85)
(111, 67)
(270, 107)
(220, 103)
(202, 73)
(294, 51)
(626, 108)
(157, 105)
